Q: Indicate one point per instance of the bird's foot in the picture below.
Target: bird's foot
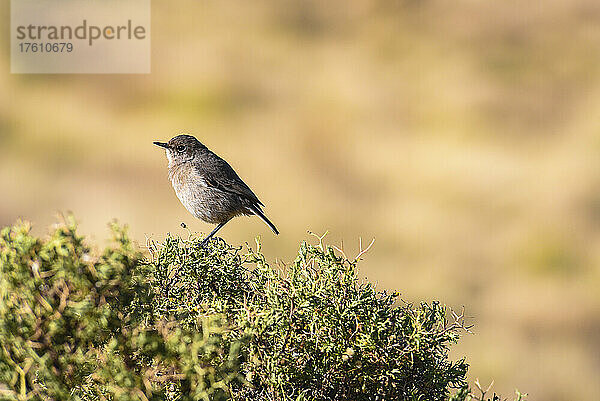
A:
(204, 242)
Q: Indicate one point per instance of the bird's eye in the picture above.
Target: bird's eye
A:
(180, 148)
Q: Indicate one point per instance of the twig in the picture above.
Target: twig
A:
(361, 250)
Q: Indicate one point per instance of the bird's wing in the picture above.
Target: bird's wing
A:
(220, 175)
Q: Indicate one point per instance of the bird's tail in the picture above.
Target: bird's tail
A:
(256, 210)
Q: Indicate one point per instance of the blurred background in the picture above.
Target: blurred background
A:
(464, 136)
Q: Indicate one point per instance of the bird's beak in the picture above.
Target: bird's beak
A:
(162, 144)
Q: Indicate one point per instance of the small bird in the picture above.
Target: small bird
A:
(207, 185)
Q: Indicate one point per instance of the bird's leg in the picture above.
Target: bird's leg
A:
(213, 232)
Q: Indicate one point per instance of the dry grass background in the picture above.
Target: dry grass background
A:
(463, 135)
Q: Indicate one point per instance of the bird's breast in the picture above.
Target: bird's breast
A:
(201, 200)
(188, 186)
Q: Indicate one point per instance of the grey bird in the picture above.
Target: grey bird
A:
(207, 185)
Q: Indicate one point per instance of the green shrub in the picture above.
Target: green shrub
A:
(69, 328)
(190, 323)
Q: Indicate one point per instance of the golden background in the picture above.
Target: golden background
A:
(464, 136)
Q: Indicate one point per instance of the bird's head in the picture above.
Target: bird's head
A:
(181, 149)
